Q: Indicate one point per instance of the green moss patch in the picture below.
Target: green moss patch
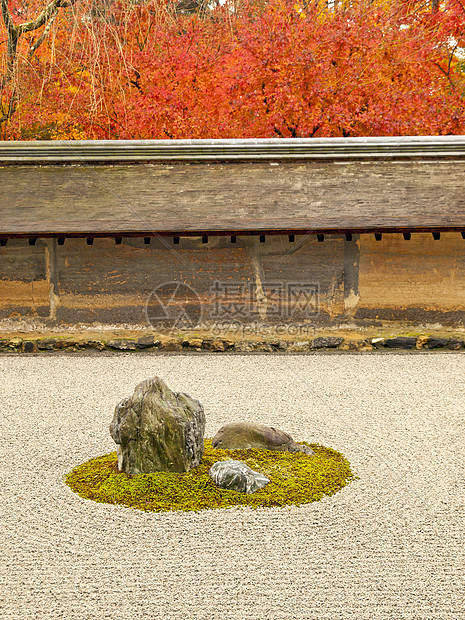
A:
(295, 478)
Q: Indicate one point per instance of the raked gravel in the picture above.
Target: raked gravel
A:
(390, 545)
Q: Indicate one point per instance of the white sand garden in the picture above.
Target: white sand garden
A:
(389, 545)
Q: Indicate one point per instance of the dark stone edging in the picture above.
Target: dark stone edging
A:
(147, 342)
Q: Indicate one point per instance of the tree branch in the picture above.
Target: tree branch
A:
(9, 25)
(6, 115)
(44, 34)
(44, 17)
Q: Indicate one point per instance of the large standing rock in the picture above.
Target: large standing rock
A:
(244, 435)
(237, 476)
(156, 429)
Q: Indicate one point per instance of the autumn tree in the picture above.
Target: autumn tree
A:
(252, 69)
(38, 20)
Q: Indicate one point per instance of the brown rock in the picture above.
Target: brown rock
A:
(15, 344)
(192, 344)
(172, 345)
(299, 347)
(217, 344)
(245, 435)
(95, 344)
(29, 346)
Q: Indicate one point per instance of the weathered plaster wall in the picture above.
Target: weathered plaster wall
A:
(112, 283)
(24, 288)
(307, 262)
(421, 279)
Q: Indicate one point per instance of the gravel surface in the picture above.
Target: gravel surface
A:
(390, 545)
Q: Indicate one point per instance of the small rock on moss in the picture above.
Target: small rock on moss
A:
(246, 435)
(237, 476)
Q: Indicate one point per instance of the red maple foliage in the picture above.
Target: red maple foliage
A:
(250, 70)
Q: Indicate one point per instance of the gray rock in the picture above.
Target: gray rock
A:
(437, 343)
(326, 342)
(237, 476)
(47, 344)
(145, 342)
(122, 345)
(244, 435)
(279, 345)
(401, 342)
(156, 429)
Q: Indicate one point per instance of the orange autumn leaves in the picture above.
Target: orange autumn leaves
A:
(260, 69)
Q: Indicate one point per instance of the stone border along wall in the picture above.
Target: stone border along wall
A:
(149, 343)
